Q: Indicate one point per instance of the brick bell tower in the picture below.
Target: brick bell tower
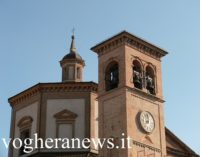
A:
(130, 96)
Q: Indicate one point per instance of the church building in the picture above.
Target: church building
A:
(127, 101)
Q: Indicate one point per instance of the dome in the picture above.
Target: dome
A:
(72, 56)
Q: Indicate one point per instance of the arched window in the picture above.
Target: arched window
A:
(112, 76)
(137, 74)
(150, 80)
(25, 131)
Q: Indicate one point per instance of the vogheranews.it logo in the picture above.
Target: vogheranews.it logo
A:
(27, 145)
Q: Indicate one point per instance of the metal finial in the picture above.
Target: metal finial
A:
(73, 31)
(73, 47)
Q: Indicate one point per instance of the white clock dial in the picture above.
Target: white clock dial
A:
(147, 121)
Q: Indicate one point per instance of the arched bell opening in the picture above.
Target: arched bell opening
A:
(150, 80)
(112, 76)
(137, 74)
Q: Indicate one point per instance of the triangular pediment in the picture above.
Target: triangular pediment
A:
(65, 114)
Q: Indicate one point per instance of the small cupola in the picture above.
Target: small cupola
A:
(72, 65)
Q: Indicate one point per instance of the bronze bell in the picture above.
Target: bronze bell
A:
(136, 77)
(137, 80)
(150, 85)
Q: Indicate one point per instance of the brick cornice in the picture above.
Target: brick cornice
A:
(126, 38)
(172, 151)
(53, 87)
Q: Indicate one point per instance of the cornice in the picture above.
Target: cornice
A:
(63, 61)
(53, 87)
(126, 38)
(180, 153)
(143, 95)
(171, 135)
(146, 146)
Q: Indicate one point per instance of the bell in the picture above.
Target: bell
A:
(150, 85)
(115, 77)
(137, 79)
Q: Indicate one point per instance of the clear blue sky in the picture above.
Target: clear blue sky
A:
(35, 35)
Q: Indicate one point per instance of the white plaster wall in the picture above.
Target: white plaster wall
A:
(31, 110)
(74, 105)
(65, 131)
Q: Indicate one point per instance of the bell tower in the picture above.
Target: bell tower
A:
(72, 65)
(130, 96)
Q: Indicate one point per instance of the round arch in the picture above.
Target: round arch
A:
(112, 75)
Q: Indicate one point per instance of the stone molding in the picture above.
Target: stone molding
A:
(65, 115)
(25, 121)
(139, 144)
(64, 61)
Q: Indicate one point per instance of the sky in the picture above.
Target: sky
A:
(36, 34)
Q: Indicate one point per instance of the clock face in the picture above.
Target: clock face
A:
(147, 121)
